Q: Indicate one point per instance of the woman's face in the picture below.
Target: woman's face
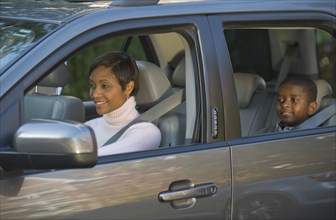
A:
(105, 90)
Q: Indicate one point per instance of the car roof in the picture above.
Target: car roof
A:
(59, 11)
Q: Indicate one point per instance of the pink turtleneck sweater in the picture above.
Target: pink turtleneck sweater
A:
(138, 137)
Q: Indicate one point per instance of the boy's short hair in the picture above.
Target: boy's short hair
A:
(122, 65)
(307, 84)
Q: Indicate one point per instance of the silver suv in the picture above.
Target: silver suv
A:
(219, 61)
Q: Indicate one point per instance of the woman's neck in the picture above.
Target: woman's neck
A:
(123, 115)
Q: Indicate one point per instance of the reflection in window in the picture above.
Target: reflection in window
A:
(17, 36)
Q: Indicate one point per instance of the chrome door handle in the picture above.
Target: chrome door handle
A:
(198, 191)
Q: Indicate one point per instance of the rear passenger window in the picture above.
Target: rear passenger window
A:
(262, 58)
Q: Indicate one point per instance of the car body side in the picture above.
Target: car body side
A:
(284, 167)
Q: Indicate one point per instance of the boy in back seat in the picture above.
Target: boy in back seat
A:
(296, 103)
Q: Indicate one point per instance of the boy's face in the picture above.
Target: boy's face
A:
(293, 106)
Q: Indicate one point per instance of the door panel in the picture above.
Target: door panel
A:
(287, 175)
(288, 178)
(123, 190)
(130, 187)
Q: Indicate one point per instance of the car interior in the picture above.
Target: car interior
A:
(55, 105)
(154, 88)
(287, 51)
(291, 51)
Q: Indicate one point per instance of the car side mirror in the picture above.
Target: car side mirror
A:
(51, 144)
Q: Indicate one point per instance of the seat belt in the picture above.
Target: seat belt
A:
(117, 135)
(152, 114)
(319, 118)
(283, 72)
(163, 107)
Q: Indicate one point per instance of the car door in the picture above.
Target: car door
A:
(287, 175)
(189, 181)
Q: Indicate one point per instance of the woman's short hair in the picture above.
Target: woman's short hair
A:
(122, 65)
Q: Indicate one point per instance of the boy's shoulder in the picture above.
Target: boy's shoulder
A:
(274, 128)
(267, 130)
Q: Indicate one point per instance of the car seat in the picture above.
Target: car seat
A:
(174, 123)
(45, 102)
(179, 75)
(154, 87)
(251, 94)
(324, 99)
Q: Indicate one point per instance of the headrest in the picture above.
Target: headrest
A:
(179, 74)
(246, 85)
(323, 89)
(57, 78)
(153, 85)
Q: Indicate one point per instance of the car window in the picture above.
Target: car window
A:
(258, 59)
(242, 45)
(177, 125)
(136, 48)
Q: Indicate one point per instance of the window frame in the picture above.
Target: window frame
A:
(65, 48)
(220, 22)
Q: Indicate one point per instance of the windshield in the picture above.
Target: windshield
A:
(17, 36)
